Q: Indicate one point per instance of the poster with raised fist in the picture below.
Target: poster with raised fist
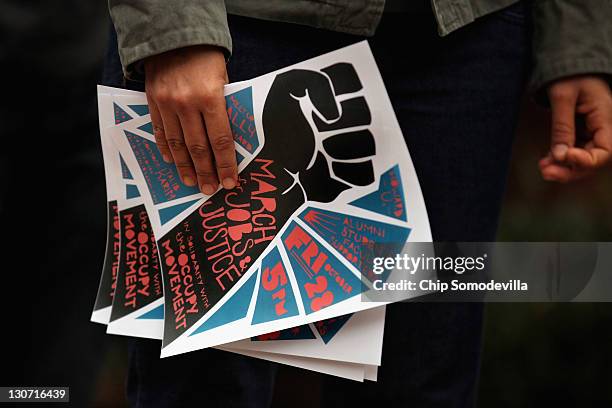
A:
(335, 346)
(324, 169)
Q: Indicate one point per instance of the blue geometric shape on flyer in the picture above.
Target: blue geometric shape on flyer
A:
(120, 115)
(140, 110)
(168, 213)
(275, 298)
(328, 328)
(147, 127)
(242, 119)
(239, 158)
(154, 314)
(388, 199)
(234, 309)
(125, 171)
(323, 280)
(131, 191)
(295, 333)
(162, 178)
(351, 236)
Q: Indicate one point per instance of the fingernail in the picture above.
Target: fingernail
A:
(559, 152)
(167, 158)
(229, 183)
(188, 181)
(208, 189)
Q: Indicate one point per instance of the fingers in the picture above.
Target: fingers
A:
(203, 152)
(590, 98)
(220, 138)
(199, 149)
(193, 131)
(176, 143)
(169, 134)
(563, 129)
(591, 158)
(562, 174)
(158, 130)
(185, 93)
(553, 171)
(597, 153)
(197, 135)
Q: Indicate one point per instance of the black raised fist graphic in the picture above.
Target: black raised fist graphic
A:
(315, 126)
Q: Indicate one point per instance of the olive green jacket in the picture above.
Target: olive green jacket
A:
(570, 36)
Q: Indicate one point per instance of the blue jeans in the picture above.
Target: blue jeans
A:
(457, 100)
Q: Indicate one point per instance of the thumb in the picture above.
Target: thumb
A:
(563, 127)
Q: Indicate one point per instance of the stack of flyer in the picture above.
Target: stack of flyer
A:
(275, 268)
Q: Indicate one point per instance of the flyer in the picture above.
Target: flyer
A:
(350, 371)
(323, 169)
(136, 307)
(355, 338)
(138, 291)
(115, 170)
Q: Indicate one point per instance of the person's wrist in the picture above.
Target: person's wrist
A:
(183, 54)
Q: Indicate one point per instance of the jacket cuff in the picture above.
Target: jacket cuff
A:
(570, 37)
(131, 57)
(146, 28)
(549, 72)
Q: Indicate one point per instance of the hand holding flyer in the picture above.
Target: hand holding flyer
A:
(321, 173)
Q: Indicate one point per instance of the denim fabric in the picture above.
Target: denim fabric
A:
(456, 99)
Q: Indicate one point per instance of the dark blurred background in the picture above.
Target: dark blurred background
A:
(52, 211)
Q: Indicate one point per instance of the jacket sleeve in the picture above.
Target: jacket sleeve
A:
(149, 27)
(571, 37)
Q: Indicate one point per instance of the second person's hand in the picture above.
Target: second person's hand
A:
(184, 90)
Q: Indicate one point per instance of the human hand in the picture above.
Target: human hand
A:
(572, 157)
(185, 93)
